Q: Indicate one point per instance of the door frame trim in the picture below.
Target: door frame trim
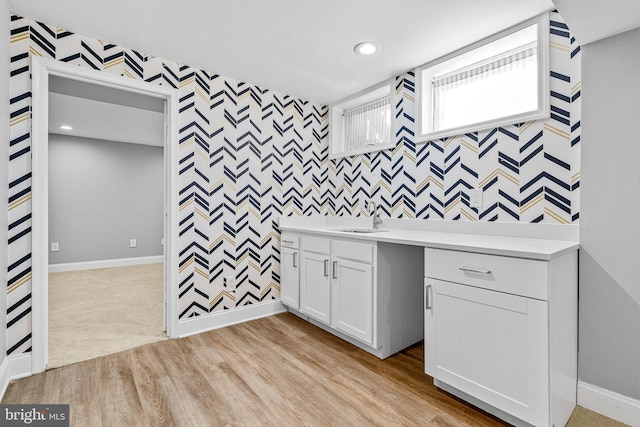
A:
(41, 69)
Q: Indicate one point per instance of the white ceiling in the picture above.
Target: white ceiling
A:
(592, 20)
(296, 47)
(106, 94)
(100, 112)
(105, 121)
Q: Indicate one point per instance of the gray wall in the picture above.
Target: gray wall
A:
(4, 167)
(610, 212)
(101, 195)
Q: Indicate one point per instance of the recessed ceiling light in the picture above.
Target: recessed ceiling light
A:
(65, 127)
(366, 48)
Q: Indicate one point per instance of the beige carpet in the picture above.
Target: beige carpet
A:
(582, 417)
(97, 312)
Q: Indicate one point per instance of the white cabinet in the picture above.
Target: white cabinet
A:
(337, 285)
(315, 289)
(368, 293)
(490, 345)
(290, 270)
(490, 335)
(353, 288)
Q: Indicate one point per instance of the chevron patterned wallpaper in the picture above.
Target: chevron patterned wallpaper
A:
(248, 155)
(529, 172)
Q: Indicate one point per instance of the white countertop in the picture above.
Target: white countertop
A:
(532, 241)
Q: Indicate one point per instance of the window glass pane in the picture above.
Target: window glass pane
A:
(363, 122)
(489, 84)
(368, 124)
(502, 88)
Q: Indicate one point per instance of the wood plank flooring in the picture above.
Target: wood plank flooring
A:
(275, 371)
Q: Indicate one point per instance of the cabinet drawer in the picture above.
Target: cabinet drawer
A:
(515, 276)
(316, 244)
(288, 240)
(354, 251)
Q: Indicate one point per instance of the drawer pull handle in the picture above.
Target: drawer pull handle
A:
(475, 270)
(288, 242)
(326, 268)
(295, 259)
(335, 269)
(427, 297)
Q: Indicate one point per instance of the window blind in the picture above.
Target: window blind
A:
(469, 95)
(368, 124)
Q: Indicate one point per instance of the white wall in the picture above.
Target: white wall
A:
(4, 166)
(610, 214)
(101, 195)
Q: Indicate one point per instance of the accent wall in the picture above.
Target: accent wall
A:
(4, 170)
(246, 156)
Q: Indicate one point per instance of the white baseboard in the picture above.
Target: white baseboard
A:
(196, 325)
(609, 403)
(107, 263)
(4, 376)
(13, 368)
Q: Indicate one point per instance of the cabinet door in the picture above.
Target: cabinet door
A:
(490, 345)
(290, 277)
(353, 299)
(315, 291)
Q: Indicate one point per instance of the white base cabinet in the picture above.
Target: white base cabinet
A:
(367, 293)
(491, 345)
(501, 332)
(315, 281)
(353, 297)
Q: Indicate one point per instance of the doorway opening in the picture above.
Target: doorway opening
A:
(44, 72)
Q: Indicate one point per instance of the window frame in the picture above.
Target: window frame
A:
(424, 93)
(336, 119)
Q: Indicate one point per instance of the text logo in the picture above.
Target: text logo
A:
(34, 415)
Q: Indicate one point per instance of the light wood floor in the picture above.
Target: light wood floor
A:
(276, 371)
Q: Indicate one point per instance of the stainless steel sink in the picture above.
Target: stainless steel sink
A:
(362, 230)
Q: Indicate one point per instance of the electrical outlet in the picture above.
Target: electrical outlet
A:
(55, 247)
(475, 198)
(133, 243)
(229, 281)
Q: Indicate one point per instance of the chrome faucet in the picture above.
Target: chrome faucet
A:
(376, 215)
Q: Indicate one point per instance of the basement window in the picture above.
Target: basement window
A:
(498, 81)
(362, 123)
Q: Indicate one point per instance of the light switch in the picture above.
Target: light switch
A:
(133, 243)
(55, 247)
